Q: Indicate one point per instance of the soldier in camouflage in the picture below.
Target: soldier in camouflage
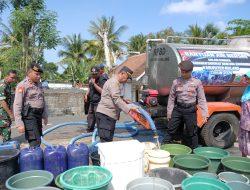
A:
(6, 114)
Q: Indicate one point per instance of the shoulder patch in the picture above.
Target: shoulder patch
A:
(20, 89)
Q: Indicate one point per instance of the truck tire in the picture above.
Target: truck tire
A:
(220, 130)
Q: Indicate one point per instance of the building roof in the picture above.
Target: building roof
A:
(136, 63)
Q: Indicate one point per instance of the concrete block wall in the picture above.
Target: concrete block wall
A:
(64, 102)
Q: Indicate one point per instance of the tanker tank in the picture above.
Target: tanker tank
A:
(220, 68)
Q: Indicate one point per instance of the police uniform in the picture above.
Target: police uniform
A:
(94, 99)
(109, 108)
(5, 121)
(184, 96)
(30, 108)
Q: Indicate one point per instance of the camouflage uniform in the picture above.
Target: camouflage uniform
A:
(5, 121)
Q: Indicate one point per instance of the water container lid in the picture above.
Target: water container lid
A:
(121, 151)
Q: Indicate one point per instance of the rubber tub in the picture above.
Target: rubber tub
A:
(8, 164)
(149, 183)
(236, 185)
(206, 175)
(176, 149)
(214, 154)
(29, 180)
(86, 177)
(232, 176)
(173, 175)
(237, 164)
(197, 183)
(191, 163)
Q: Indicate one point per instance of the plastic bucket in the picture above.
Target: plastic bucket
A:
(176, 149)
(232, 176)
(191, 163)
(214, 154)
(29, 180)
(173, 175)
(158, 158)
(8, 165)
(236, 185)
(149, 183)
(237, 164)
(86, 177)
(197, 183)
(206, 175)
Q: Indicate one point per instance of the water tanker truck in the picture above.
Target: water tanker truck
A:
(221, 69)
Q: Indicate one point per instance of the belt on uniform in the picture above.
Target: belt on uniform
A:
(36, 110)
(185, 105)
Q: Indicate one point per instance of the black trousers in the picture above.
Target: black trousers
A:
(105, 126)
(187, 118)
(33, 126)
(91, 118)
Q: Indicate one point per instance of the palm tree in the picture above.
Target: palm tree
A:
(210, 31)
(195, 31)
(74, 52)
(137, 43)
(104, 31)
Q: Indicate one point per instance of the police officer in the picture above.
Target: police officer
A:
(111, 104)
(29, 106)
(93, 95)
(6, 114)
(186, 92)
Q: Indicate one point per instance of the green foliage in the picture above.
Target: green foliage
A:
(32, 30)
(137, 43)
(75, 57)
(239, 27)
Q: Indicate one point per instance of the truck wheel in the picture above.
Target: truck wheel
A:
(220, 130)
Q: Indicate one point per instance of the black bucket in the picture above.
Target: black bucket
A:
(95, 158)
(8, 165)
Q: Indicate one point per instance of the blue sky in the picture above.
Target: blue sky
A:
(142, 15)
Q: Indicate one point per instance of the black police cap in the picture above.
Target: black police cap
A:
(36, 67)
(186, 65)
(128, 71)
(94, 70)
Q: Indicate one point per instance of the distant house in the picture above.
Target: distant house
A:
(137, 64)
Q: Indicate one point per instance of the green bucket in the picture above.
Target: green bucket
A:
(237, 164)
(214, 154)
(86, 178)
(29, 180)
(191, 163)
(176, 149)
(197, 183)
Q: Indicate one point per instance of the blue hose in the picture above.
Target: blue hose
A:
(126, 125)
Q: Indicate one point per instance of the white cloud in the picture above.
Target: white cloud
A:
(197, 6)
(221, 25)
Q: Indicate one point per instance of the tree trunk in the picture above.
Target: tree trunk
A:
(106, 50)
